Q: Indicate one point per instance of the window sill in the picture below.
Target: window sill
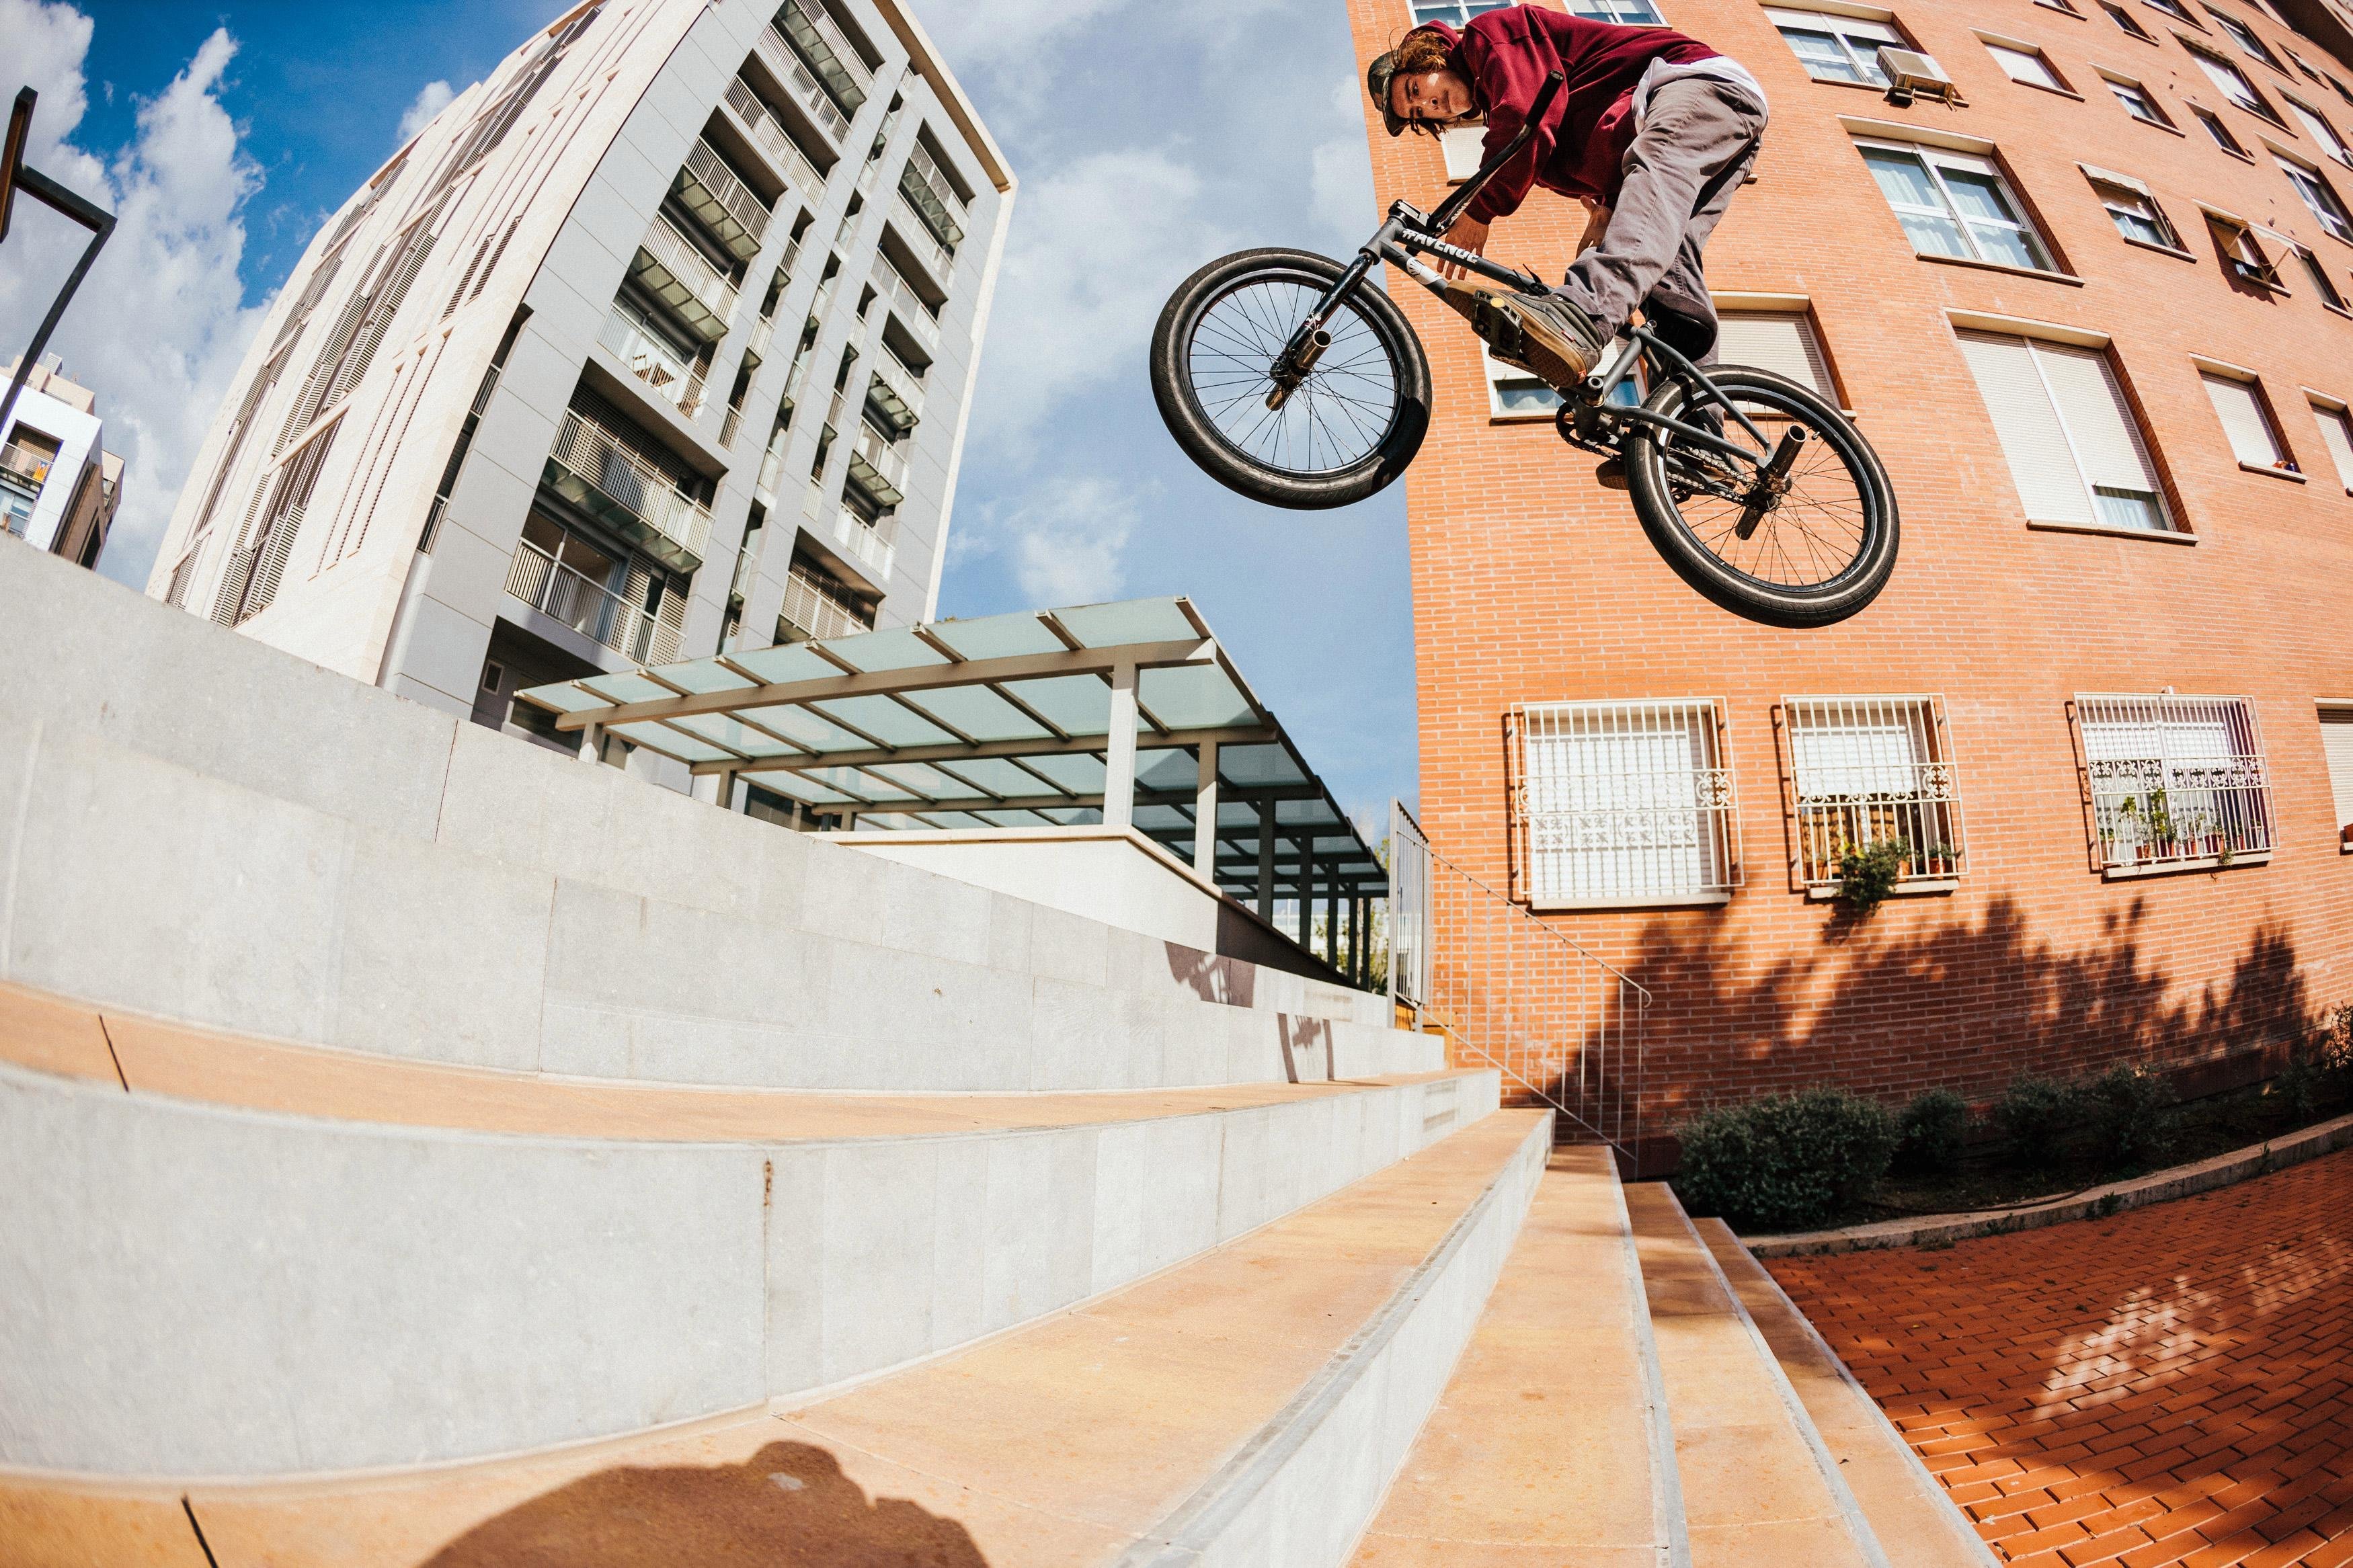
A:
(2053, 92)
(2161, 249)
(2111, 530)
(2168, 868)
(2289, 474)
(1643, 901)
(2241, 157)
(2067, 277)
(1917, 887)
(2157, 125)
(1880, 87)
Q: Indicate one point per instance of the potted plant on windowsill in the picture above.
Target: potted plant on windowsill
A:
(1866, 876)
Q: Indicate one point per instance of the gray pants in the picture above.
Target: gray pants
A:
(1695, 146)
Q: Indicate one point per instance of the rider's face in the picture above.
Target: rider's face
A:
(1433, 98)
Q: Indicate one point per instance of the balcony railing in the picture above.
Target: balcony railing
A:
(875, 544)
(769, 135)
(818, 610)
(653, 362)
(894, 391)
(24, 463)
(876, 464)
(928, 191)
(2174, 779)
(588, 607)
(820, 41)
(802, 83)
(595, 470)
(905, 303)
(722, 202)
(938, 258)
(672, 270)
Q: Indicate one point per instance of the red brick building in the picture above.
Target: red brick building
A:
(2103, 349)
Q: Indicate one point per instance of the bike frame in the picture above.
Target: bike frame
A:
(1408, 234)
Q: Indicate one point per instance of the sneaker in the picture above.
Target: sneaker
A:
(1611, 474)
(1539, 333)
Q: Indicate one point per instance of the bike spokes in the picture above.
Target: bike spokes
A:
(1804, 532)
(1342, 410)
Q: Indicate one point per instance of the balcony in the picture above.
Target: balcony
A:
(896, 392)
(652, 361)
(597, 472)
(917, 234)
(588, 607)
(819, 608)
(819, 42)
(25, 464)
(803, 85)
(722, 202)
(876, 466)
(769, 135)
(874, 545)
(668, 267)
(905, 303)
(928, 191)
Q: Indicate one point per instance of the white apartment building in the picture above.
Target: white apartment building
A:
(657, 343)
(58, 484)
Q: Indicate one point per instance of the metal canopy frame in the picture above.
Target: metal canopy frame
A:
(1127, 715)
(16, 176)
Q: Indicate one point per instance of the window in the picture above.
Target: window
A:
(2234, 83)
(2241, 251)
(2244, 37)
(1873, 770)
(1457, 12)
(1955, 204)
(2025, 65)
(2247, 420)
(2135, 211)
(2305, 66)
(2059, 6)
(1781, 342)
(1463, 147)
(2173, 8)
(1625, 13)
(2319, 195)
(2073, 449)
(2124, 18)
(2342, 90)
(2320, 131)
(2175, 780)
(2323, 285)
(2336, 434)
(2221, 133)
(2137, 101)
(1837, 48)
(1514, 394)
(1623, 804)
(2336, 750)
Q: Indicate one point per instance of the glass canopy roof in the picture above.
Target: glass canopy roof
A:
(1004, 721)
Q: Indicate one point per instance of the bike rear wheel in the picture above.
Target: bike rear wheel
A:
(1818, 552)
(1349, 428)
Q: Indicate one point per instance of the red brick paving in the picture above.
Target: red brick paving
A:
(2172, 1385)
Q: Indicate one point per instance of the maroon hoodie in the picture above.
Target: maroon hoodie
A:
(1577, 150)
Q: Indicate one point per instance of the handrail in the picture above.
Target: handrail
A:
(675, 252)
(652, 361)
(811, 608)
(802, 83)
(769, 135)
(910, 306)
(927, 248)
(829, 36)
(709, 169)
(602, 460)
(897, 381)
(869, 446)
(587, 607)
(19, 461)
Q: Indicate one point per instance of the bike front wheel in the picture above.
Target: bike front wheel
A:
(1822, 547)
(1347, 430)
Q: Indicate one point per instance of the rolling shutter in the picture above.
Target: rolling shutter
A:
(1780, 342)
(2108, 444)
(2336, 434)
(2336, 745)
(2049, 486)
(2244, 420)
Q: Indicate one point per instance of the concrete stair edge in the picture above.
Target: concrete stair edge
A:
(1666, 1476)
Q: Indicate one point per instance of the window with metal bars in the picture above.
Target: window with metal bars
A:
(2173, 780)
(1623, 804)
(1868, 771)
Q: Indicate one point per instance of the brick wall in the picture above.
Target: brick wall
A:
(1532, 582)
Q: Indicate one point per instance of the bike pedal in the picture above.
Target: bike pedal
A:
(1499, 325)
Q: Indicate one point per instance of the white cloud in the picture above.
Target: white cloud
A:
(157, 329)
(1067, 543)
(431, 99)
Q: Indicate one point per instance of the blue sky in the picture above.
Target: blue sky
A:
(1148, 138)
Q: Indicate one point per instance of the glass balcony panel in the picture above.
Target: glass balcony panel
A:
(597, 471)
(928, 191)
(820, 43)
(802, 83)
(722, 202)
(653, 361)
(673, 271)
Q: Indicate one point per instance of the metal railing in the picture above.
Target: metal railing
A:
(821, 42)
(720, 199)
(1621, 803)
(1563, 1026)
(874, 545)
(588, 607)
(26, 464)
(905, 303)
(927, 249)
(802, 83)
(1868, 771)
(2174, 779)
(679, 276)
(652, 361)
(769, 135)
(927, 189)
(876, 464)
(819, 608)
(626, 483)
(896, 390)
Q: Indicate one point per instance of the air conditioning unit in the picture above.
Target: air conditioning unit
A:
(1911, 74)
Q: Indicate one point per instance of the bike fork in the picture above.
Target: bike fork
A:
(1312, 338)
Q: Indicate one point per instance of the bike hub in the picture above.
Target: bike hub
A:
(1293, 367)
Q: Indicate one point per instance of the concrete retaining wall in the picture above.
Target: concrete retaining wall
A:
(195, 825)
(227, 1293)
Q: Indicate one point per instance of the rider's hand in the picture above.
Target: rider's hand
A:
(1597, 224)
(1468, 233)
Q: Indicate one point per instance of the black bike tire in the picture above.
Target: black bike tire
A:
(1819, 604)
(1180, 406)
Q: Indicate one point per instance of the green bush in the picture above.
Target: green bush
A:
(2125, 1108)
(1931, 1130)
(1866, 876)
(2035, 1114)
(1785, 1162)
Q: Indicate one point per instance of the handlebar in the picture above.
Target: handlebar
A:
(1451, 208)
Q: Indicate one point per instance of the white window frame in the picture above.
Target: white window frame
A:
(1933, 159)
(2107, 185)
(1455, 13)
(2320, 197)
(2118, 86)
(1662, 833)
(2127, 23)
(1867, 769)
(1849, 33)
(2332, 415)
(2331, 297)
(2250, 43)
(1624, 13)
(2007, 52)
(2212, 374)
(2170, 526)
(2220, 132)
(2232, 83)
(2246, 253)
(2162, 796)
(1498, 374)
(2317, 127)
(2336, 758)
(2175, 9)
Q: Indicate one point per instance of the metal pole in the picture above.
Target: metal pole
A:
(100, 224)
(1119, 759)
(1205, 813)
(1265, 804)
(1306, 889)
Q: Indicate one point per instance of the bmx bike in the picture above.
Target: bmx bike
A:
(1295, 380)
